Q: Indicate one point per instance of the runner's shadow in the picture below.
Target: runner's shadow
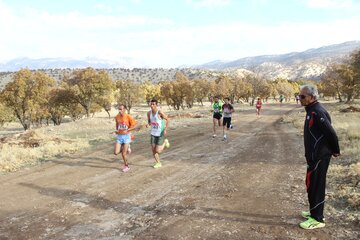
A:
(94, 162)
(80, 197)
(221, 215)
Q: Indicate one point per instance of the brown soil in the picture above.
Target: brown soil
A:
(250, 187)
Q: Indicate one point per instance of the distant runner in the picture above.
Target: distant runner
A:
(258, 107)
(159, 123)
(216, 108)
(124, 125)
(228, 109)
(281, 99)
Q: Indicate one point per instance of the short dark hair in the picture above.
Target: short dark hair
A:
(121, 104)
(227, 98)
(154, 100)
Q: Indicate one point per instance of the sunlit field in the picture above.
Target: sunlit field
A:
(343, 191)
(19, 149)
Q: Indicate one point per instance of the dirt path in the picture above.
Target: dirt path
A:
(250, 187)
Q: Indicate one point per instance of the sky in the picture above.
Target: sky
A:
(172, 33)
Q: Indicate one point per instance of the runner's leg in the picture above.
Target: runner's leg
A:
(117, 148)
(214, 126)
(124, 153)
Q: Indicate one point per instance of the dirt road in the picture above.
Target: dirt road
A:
(250, 187)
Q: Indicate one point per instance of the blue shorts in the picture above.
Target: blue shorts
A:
(123, 138)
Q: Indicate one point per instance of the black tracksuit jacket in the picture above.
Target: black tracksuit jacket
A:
(320, 139)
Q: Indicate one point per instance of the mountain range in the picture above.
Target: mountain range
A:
(309, 64)
(62, 63)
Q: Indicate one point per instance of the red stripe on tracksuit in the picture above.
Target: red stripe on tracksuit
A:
(312, 119)
(307, 180)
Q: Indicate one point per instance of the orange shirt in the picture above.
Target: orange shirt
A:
(124, 122)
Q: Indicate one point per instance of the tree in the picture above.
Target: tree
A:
(224, 87)
(257, 83)
(26, 95)
(60, 104)
(6, 115)
(242, 89)
(341, 78)
(331, 82)
(87, 86)
(128, 93)
(178, 92)
(183, 87)
(150, 91)
(355, 64)
(105, 103)
(285, 88)
(201, 88)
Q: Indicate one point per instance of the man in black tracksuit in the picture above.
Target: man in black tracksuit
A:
(321, 142)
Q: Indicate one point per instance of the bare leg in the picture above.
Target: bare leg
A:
(117, 148)
(124, 153)
(214, 125)
(155, 153)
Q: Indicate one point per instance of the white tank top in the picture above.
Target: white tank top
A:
(157, 124)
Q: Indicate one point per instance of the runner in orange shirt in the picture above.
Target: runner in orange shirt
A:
(124, 125)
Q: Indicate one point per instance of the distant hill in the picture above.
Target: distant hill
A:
(56, 63)
(308, 64)
(138, 75)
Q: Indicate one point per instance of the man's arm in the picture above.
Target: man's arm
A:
(163, 116)
(329, 133)
(148, 118)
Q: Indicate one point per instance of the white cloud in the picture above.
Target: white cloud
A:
(330, 4)
(103, 7)
(159, 42)
(208, 3)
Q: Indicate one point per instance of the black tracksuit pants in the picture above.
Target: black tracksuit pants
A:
(315, 186)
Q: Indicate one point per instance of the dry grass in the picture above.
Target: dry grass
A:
(19, 149)
(344, 172)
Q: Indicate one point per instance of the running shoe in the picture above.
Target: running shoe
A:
(125, 169)
(167, 144)
(305, 214)
(231, 126)
(214, 136)
(311, 223)
(157, 165)
(225, 138)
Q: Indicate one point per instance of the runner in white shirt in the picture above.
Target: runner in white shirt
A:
(228, 109)
(159, 123)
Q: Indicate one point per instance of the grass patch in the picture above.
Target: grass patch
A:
(19, 148)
